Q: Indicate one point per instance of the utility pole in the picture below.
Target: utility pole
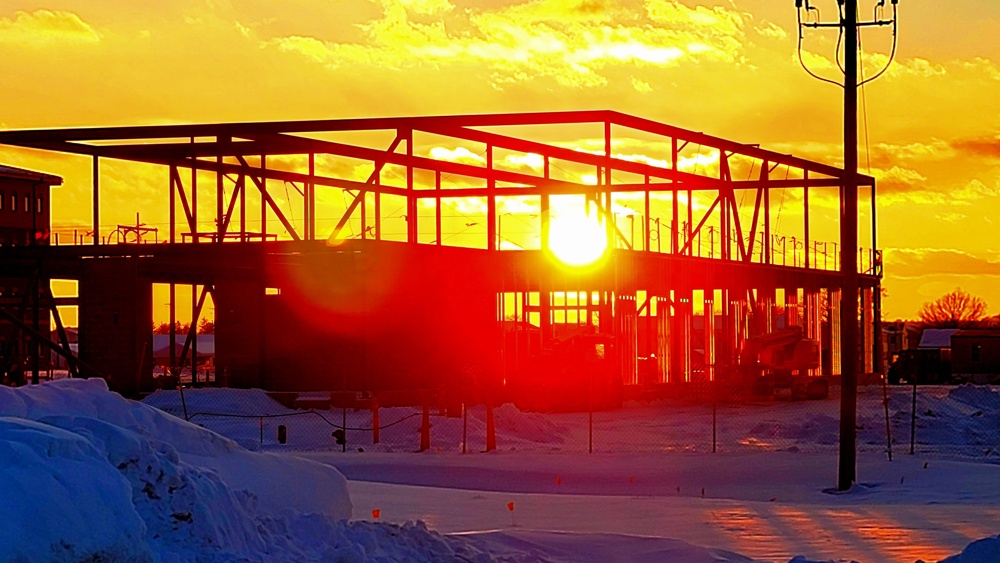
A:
(849, 28)
(847, 468)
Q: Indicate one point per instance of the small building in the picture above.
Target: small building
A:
(929, 363)
(24, 221)
(975, 355)
(24, 206)
(939, 338)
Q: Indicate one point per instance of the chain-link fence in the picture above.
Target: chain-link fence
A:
(948, 420)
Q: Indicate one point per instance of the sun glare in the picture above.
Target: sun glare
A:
(577, 239)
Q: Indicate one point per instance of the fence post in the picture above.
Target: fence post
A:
(425, 423)
(491, 431)
(465, 427)
(590, 412)
(714, 416)
(375, 420)
(343, 424)
(180, 387)
(913, 419)
(888, 427)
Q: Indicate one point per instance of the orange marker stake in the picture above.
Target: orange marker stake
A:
(558, 480)
(510, 507)
(376, 513)
(631, 480)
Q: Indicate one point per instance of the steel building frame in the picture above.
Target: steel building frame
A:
(238, 154)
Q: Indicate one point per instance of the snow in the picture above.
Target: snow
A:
(89, 475)
(92, 474)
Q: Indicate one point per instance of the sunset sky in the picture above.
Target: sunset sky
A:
(727, 68)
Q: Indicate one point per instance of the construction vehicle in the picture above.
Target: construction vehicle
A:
(777, 365)
(921, 366)
(574, 373)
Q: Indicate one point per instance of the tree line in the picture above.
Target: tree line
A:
(205, 326)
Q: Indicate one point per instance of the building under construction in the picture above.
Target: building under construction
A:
(416, 253)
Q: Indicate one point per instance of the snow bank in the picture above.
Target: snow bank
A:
(89, 474)
(986, 550)
(62, 500)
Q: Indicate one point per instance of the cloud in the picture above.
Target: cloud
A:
(952, 217)
(458, 154)
(898, 179)
(771, 31)
(919, 151)
(988, 147)
(571, 42)
(641, 85)
(43, 28)
(425, 7)
(921, 262)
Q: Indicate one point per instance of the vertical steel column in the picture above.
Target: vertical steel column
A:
(193, 330)
(708, 315)
(674, 225)
(194, 203)
(847, 473)
(792, 307)
(310, 226)
(725, 199)
(545, 311)
(263, 200)
(766, 246)
(648, 222)
(243, 208)
(411, 199)
(378, 200)
(544, 213)
(663, 336)
(437, 207)
(96, 200)
(491, 203)
(220, 199)
(172, 333)
(609, 216)
(173, 203)
(805, 213)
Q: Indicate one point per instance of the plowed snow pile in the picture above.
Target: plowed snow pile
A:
(88, 475)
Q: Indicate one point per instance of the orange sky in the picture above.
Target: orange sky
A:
(727, 68)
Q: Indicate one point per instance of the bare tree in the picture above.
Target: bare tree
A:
(957, 309)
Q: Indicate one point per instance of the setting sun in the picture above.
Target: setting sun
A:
(577, 238)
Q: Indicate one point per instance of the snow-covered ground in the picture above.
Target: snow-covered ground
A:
(88, 474)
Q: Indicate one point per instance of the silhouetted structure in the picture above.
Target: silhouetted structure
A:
(24, 222)
(975, 355)
(373, 285)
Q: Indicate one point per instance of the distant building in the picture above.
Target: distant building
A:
(975, 355)
(24, 221)
(24, 206)
(896, 337)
